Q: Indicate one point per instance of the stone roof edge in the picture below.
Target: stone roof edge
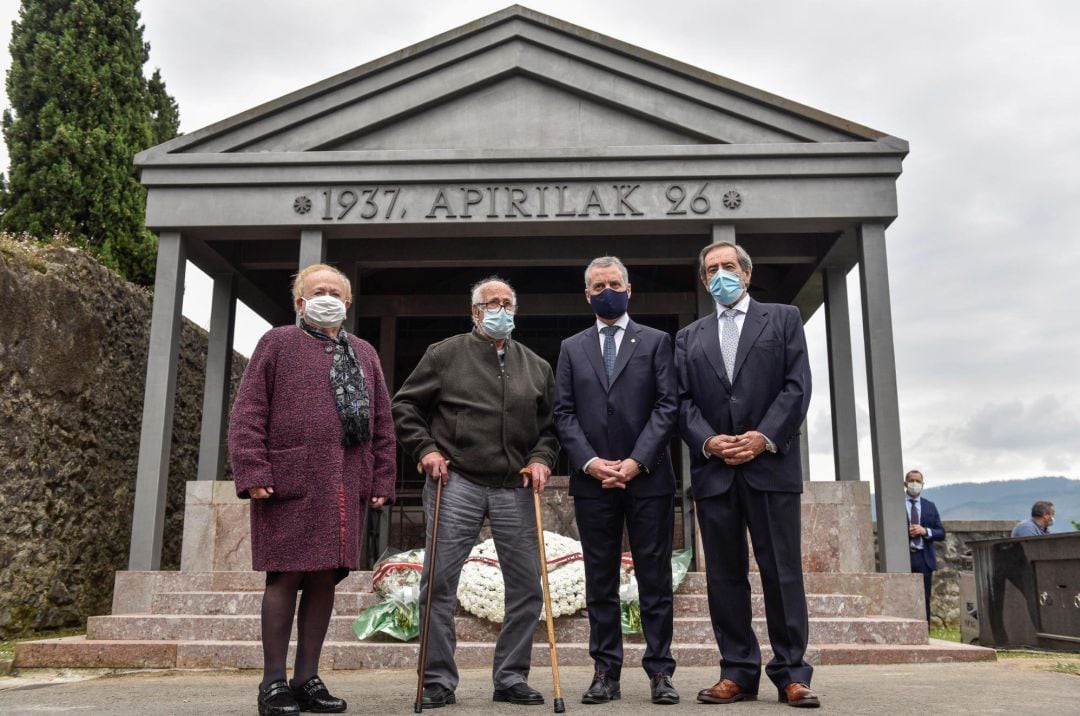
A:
(512, 12)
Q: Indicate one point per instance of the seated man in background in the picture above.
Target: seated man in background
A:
(1042, 517)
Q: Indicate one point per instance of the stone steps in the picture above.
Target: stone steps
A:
(79, 652)
(869, 584)
(211, 620)
(693, 630)
(206, 603)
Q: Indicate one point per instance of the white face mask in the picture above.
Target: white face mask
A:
(913, 488)
(324, 311)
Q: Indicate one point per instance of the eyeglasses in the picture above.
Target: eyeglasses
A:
(495, 304)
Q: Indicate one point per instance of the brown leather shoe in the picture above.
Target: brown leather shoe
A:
(725, 691)
(796, 694)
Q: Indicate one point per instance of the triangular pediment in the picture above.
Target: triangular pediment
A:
(515, 113)
(517, 80)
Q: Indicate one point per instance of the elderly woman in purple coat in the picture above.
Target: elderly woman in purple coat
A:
(312, 444)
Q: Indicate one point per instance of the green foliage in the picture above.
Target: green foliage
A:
(1075, 524)
(80, 110)
(945, 634)
(164, 112)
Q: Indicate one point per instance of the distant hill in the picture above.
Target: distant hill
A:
(1008, 500)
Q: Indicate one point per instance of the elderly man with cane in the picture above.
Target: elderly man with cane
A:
(476, 414)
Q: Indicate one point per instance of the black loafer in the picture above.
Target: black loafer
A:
(277, 700)
(521, 694)
(602, 690)
(314, 697)
(436, 696)
(663, 692)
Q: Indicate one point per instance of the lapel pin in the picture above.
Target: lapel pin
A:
(633, 340)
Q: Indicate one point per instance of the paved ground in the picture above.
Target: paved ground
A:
(1011, 686)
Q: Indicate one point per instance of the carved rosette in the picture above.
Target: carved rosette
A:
(732, 200)
(302, 204)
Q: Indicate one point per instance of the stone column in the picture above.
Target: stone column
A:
(212, 441)
(155, 440)
(353, 272)
(841, 375)
(312, 251)
(884, 408)
(312, 248)
(388, 349)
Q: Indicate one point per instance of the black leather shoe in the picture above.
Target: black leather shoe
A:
(277, 700)
(521, 694)
(662, 690)
(313, 696)
(436, 696)
(602, 690)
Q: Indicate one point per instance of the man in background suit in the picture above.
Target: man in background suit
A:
(924, 528)
(615, 408)
(744, 388)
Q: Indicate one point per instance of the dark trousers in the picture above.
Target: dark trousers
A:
(774, 522)
(918, 564)
(649, 522)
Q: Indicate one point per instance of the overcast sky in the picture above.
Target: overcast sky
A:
(983, 259)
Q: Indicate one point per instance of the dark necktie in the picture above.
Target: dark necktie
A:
(914, 519)
(609, 350)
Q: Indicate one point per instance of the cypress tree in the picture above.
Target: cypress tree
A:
(80, 110)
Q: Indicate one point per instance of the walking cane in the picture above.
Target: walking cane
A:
(560, 707)
(418, 706)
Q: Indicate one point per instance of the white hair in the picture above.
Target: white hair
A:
(477, 294)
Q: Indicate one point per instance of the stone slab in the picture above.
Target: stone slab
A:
(77, 652)
(687, 630)
(209, 603)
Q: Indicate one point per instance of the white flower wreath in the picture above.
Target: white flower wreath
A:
(481, 592)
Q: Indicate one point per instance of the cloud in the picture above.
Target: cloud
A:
(1043, 424)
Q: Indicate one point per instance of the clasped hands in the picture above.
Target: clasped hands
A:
(613, 474)
(262, 493)
(736, 449)
(437, 468)
(917, 531)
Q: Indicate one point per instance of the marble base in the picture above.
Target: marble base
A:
(217, 529)
(837, 535)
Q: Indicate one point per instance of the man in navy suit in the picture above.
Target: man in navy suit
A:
(744, 388)
(924, 528)
(616, 404)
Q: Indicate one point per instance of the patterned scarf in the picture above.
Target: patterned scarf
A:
(349, 386)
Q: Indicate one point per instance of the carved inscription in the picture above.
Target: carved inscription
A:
(518, 201)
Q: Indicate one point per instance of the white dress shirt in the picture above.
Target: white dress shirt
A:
(623, 322)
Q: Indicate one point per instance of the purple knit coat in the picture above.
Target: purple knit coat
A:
(285, 433)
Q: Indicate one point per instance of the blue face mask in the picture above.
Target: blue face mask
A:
(609, 303)
(726, 287)
(497, 323)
